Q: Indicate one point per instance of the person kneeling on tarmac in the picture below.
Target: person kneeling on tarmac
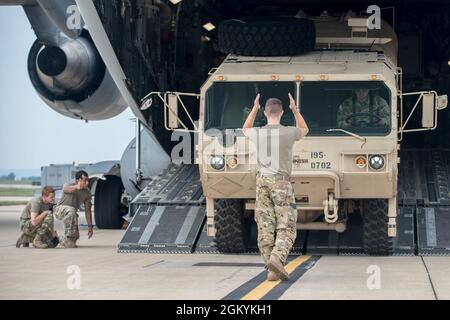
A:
(73, 196)
(36, 222)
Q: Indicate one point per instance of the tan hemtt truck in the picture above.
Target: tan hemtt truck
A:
(338, 169)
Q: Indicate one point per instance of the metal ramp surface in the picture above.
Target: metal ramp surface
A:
(169, 214)
(178, 184)
(424, 190)
(163, 229)
(433, 236)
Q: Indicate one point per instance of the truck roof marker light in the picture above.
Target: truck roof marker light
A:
(221, 78)
(374, 77)
(274, 77)
(209, 26)
(323, 77)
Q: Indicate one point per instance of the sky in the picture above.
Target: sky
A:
(31, 133)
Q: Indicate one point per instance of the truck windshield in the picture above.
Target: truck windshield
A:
(361, 107)
(229, 103)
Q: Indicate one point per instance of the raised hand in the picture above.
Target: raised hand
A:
(292, 103)
(256, 103)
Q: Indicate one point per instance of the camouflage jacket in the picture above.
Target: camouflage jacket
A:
(374, 105)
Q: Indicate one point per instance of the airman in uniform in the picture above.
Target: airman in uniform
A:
(36, 222)
(363, 110)
(275, 208)
(74, 195)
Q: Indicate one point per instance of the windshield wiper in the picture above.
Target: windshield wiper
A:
(349, 133)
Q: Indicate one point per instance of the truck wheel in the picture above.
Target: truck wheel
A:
(230, 226)
(375, 225)
(107, 203)
(276, 36)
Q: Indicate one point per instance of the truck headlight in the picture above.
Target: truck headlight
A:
(376, 162)
(218, 162)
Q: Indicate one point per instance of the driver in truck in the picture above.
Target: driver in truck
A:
(363, 109)
(275, 207)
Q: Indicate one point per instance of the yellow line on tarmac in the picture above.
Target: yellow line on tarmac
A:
(264, 288)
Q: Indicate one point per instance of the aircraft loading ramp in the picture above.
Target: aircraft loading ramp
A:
(169, 215)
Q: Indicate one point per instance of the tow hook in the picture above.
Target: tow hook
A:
(331, 209)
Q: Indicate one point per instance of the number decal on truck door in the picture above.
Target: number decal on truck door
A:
(317, 160)
(320, 165)
(317, 155)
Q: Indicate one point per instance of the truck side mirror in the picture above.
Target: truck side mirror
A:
(431, 104)
(428, 110)
(442, 102)
(173, 111)
(172, 102)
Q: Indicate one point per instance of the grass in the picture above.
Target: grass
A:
(27, 182)
(12, 203)
(14, 192)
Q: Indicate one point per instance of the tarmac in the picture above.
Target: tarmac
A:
(96, 271)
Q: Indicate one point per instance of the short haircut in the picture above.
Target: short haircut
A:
(46, 191)
(274, 107)
(80, 175)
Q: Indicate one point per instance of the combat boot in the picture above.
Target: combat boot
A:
(277, 267)
(24, 240)
(38, 243)
(68, 243)
(272, 276)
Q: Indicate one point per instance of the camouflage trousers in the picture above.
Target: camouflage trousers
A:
(44, 229)
(276, 217)
(68, 215)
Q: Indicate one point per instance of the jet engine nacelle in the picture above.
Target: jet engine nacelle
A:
(73, 80)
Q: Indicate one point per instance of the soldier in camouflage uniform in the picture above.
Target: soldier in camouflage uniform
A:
(275, 209)
(275, 213)
(36, 222)
(363, 110)
(74, 195)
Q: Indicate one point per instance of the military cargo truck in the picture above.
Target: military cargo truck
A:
(349, 89)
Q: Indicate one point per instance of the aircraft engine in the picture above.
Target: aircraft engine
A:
(73, 80)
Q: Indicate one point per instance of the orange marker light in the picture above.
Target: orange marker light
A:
(233, 163)
(361, 162)
(274, 78)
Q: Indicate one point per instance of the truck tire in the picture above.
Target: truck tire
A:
(230, 226)
(107, 204)
(375, 228)
(276, 36)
